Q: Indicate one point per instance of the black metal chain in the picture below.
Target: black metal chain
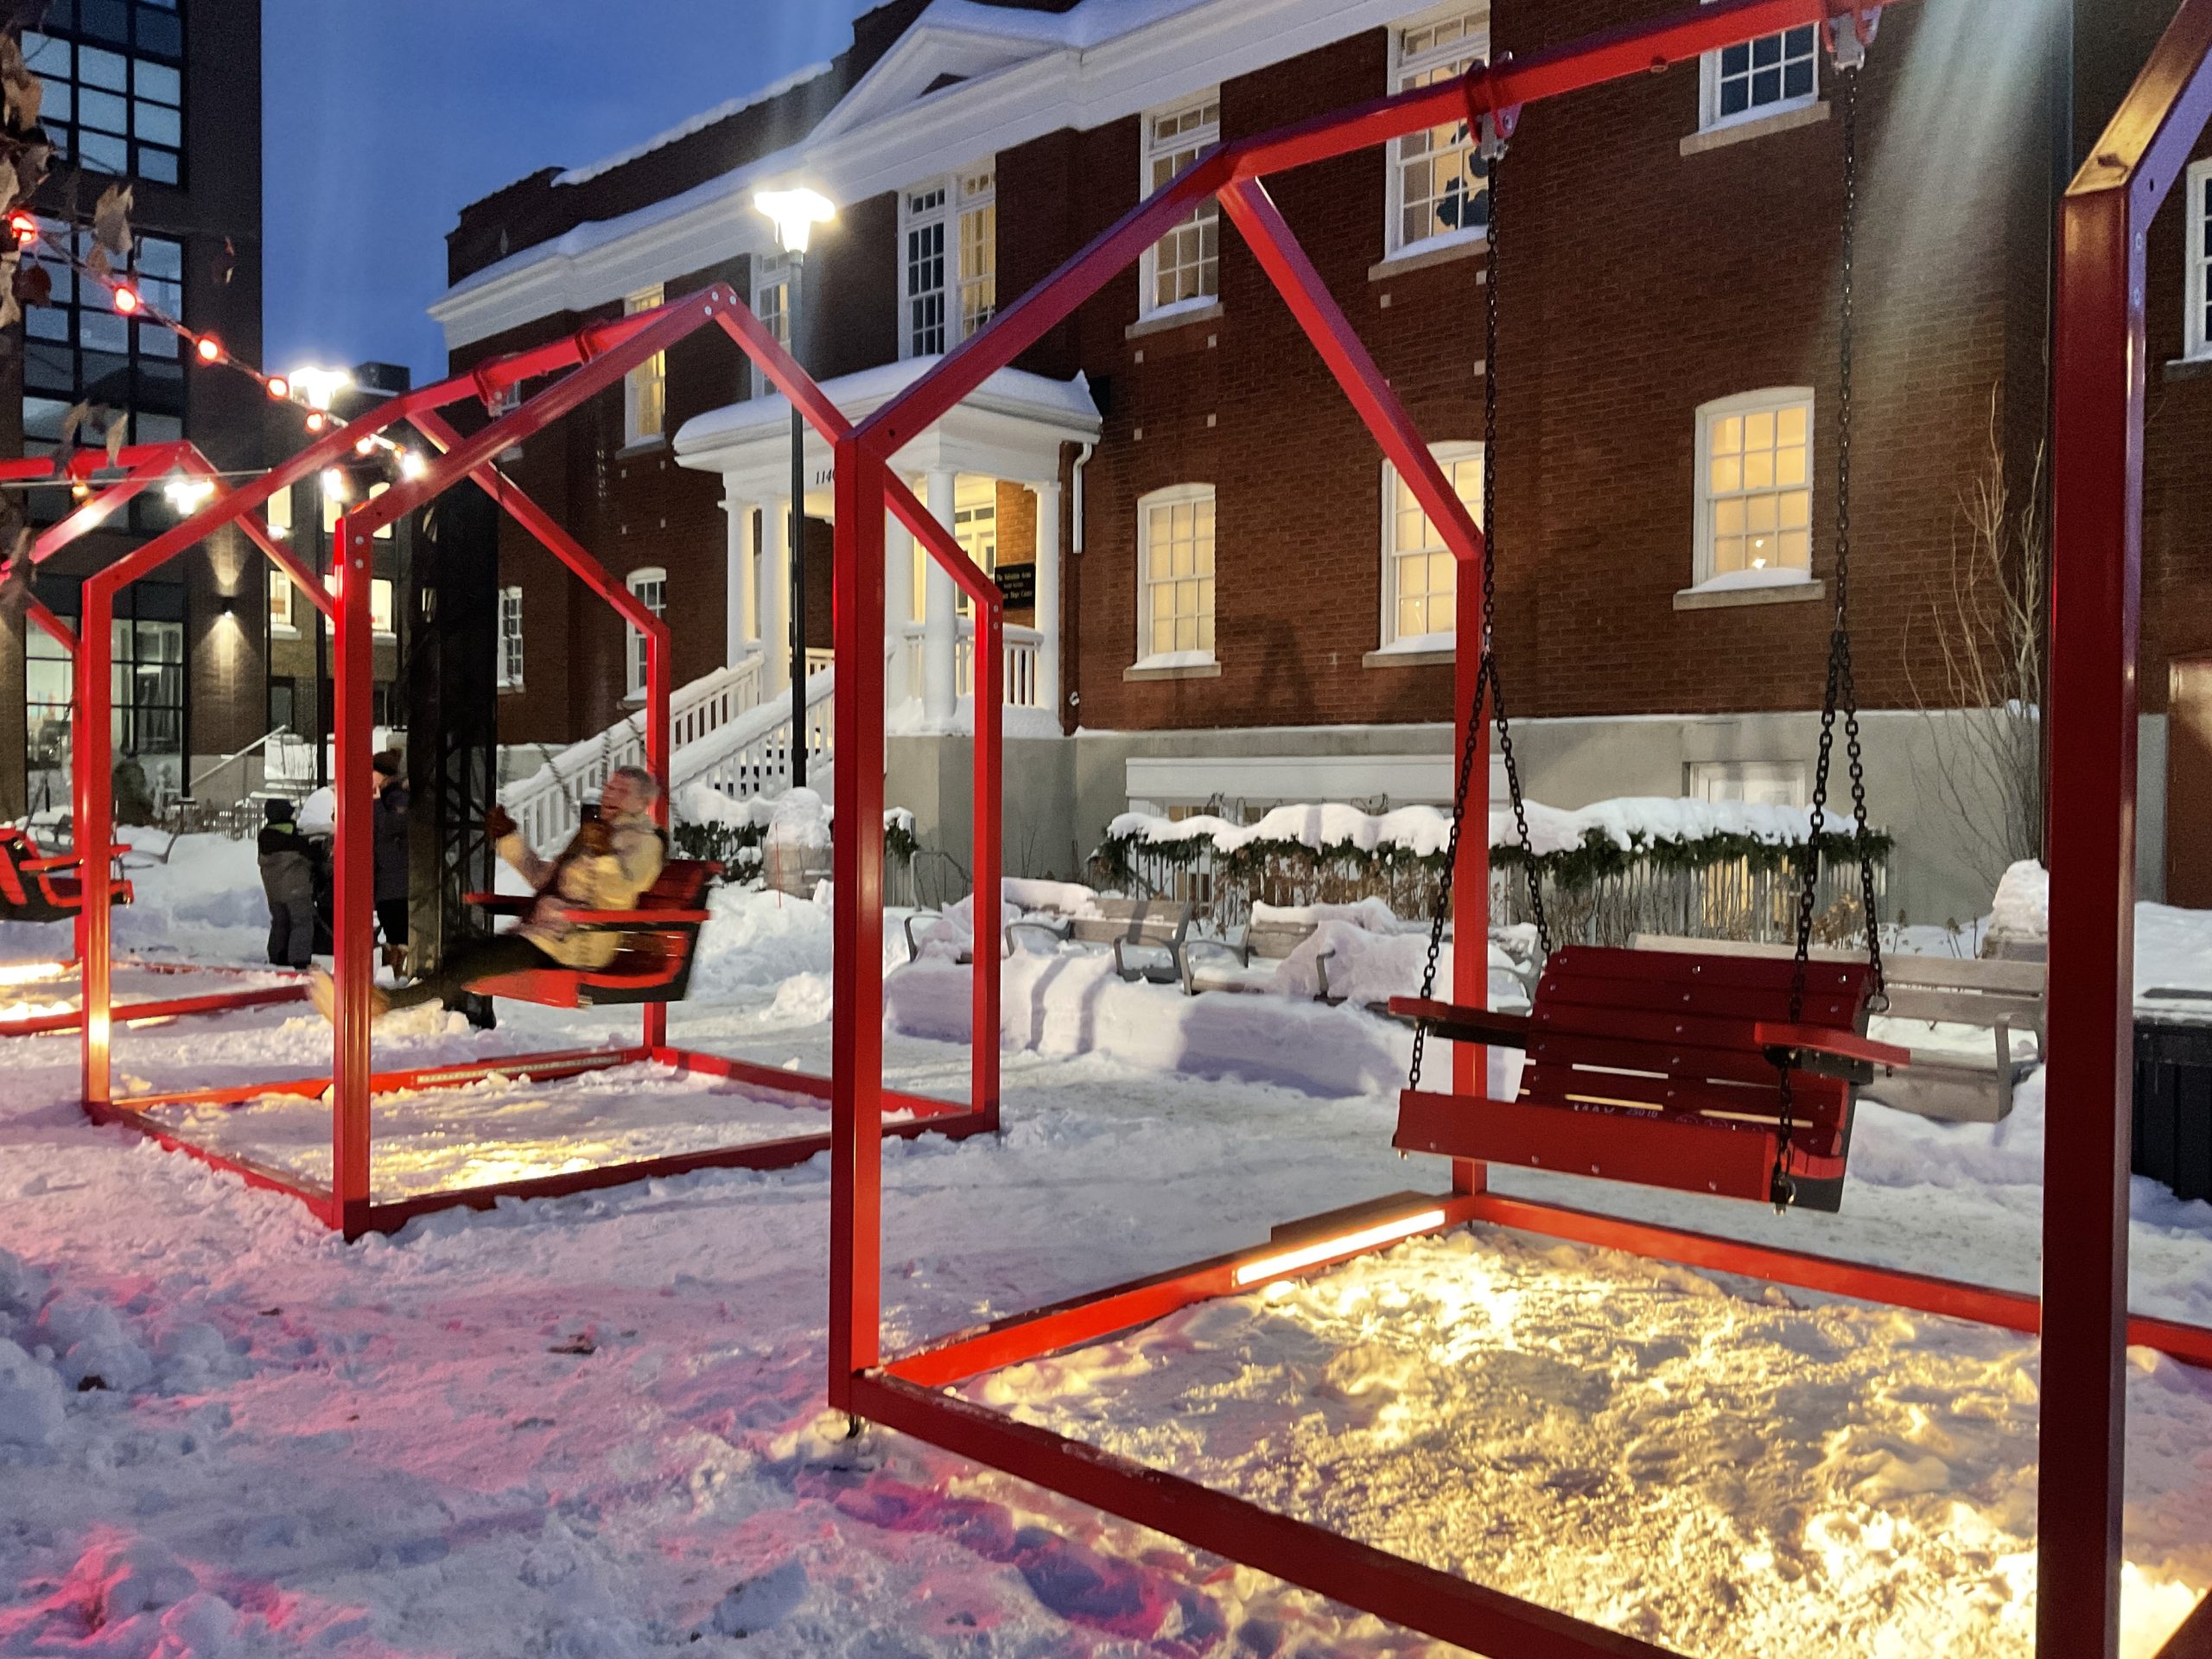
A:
(1841, 688)
(1487, 683)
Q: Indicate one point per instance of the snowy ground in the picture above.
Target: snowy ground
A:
(593, 1426)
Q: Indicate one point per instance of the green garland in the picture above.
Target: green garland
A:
(737, 847)
(1572, 870)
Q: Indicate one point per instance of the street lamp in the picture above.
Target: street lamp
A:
(795, 214)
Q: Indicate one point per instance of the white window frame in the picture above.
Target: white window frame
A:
(1150, 148)
(1774, 398)
(772, 288)
(633, 639)
(1405, 69)
(2196, 338)
(961, 210)
(511, 640)
(976, 527)
(1732, 781)
(383, 596)
(1709, 79)
(283, 602)
(645, 389)
(1174, 495)
(1448, 454)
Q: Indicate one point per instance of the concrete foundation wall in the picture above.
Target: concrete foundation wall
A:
(1062, 793)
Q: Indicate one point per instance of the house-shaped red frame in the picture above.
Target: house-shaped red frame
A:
(2083, 1311)
(580, 365)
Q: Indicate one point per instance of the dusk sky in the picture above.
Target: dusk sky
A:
(381, 120)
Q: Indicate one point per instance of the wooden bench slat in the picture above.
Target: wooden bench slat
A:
(1816, 1113)
(1717, 1002)
(1614, 963)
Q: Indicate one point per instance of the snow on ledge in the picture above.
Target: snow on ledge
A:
(698, 122)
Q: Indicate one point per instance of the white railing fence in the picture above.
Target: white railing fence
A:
(752, 756)
(1024, 689)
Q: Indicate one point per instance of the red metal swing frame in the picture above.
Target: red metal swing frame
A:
(2082, 1312)
(142, 466)
(587, 363)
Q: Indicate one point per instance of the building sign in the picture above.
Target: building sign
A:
(1018, 586)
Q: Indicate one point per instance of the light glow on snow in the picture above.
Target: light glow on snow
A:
(1386, 1232)
(31, 972)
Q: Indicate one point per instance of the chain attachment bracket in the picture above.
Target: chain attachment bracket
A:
(1493, 123)
(1848, 47)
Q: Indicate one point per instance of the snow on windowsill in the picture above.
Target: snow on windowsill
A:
(1756, 123)
(1200, 309)
(1174, 666)
(1415, 650)
(1777, 585)
(1431, 251)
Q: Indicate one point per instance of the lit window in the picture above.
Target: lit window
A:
(1420, 576)
(1767, 76)
(1183, 267)
(1436, 188)
(771, 303)
(961, 212)
(645, 389)
(510, 639)
(1755, 497)
(2197, 324)
(1175, 562)
(651, 588)
(976, 526)
(114, 110)
(281, 601)
(1758, 783)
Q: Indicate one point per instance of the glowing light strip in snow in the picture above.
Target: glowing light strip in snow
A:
(31, 972)
(1348, 1244)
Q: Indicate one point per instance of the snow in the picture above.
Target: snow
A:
(1015, 391)
(2022, 907)
(1778, 575)
(1426, 831)
(698, 122)
(595, 1426)
(798, 819)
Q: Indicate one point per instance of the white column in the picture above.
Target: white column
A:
(898, 609)
(736, 642)
(1048, 597)
(776, 594)
(940, 622)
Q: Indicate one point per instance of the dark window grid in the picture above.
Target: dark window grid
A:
(112, 111)
(150, 678)
(1769, 70)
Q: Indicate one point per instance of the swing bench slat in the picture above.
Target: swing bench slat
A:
(660, 939)
(1665, 1069)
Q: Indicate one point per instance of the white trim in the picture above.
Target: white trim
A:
(1474, 45)
(506, 681)
(1182, 779)
(634, 655)
(1046, 86)
(1150, 150)
(1193, 657)
(960, 196)
(1448, 453)
(772, 269)
(1775, 398)
(385, 586)
(1709, 119)
(2196, 341)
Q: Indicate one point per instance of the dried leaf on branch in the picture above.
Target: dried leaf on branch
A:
(12, 308)
(118, 428)
(112, 222)
(24, 92)
(79, 416)
(34, 285)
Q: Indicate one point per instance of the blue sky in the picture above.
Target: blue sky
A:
(379, 121)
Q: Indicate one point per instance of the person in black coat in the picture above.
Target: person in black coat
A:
(389, 838)
(287, 882)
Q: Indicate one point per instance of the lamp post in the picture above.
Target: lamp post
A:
(795, 214)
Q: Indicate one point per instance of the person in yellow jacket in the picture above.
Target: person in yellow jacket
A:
(614, 859)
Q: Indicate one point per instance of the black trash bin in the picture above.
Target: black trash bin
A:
(2173, 1102)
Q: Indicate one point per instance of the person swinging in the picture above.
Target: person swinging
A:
(615, 857)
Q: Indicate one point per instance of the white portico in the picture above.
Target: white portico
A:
(990, 472)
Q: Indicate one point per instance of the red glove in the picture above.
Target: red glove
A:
(497, 825)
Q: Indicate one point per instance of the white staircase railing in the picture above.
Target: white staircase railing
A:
(752, 756)
(543, 804)
(1024, 685)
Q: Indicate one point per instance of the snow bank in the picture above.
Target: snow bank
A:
(1074, 1003)
(1368, 968)
(951, 934)
(2022, 909)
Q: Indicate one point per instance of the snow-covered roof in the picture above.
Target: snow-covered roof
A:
(1007, 391)
(698, 122)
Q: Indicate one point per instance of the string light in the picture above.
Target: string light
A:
(411, 464)
(25, 226)
(208, 349)
(334, 484)
(127, 302)
(278, 387)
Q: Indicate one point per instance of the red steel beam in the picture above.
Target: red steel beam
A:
(2193, 1639)
(139, 1013)
(1420, 1597)
(2095, 602)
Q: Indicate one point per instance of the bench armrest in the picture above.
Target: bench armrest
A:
(1241, 954)
(1462, 1024)
(1832, 1053)
(913, 945)
(1057, 931)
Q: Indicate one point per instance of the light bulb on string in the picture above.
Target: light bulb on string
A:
(208, 349)
(127, 302)
(411, 464)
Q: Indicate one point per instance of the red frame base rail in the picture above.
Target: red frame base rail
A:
(2082, 1315)
(573, 370)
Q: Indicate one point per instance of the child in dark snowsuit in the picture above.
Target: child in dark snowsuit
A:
(288, 879)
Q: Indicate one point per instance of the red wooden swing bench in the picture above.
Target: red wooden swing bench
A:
(661, 936)
(35, 888)
(1665, 1069)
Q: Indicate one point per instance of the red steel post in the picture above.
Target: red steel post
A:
(93, 788)
(2096, 591)
(353, 921)
(856, 1018)
(657, 722)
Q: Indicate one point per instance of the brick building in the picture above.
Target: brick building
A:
(168, 99)
(1227, 600)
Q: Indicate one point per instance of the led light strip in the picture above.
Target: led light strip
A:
(1268, 1267)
